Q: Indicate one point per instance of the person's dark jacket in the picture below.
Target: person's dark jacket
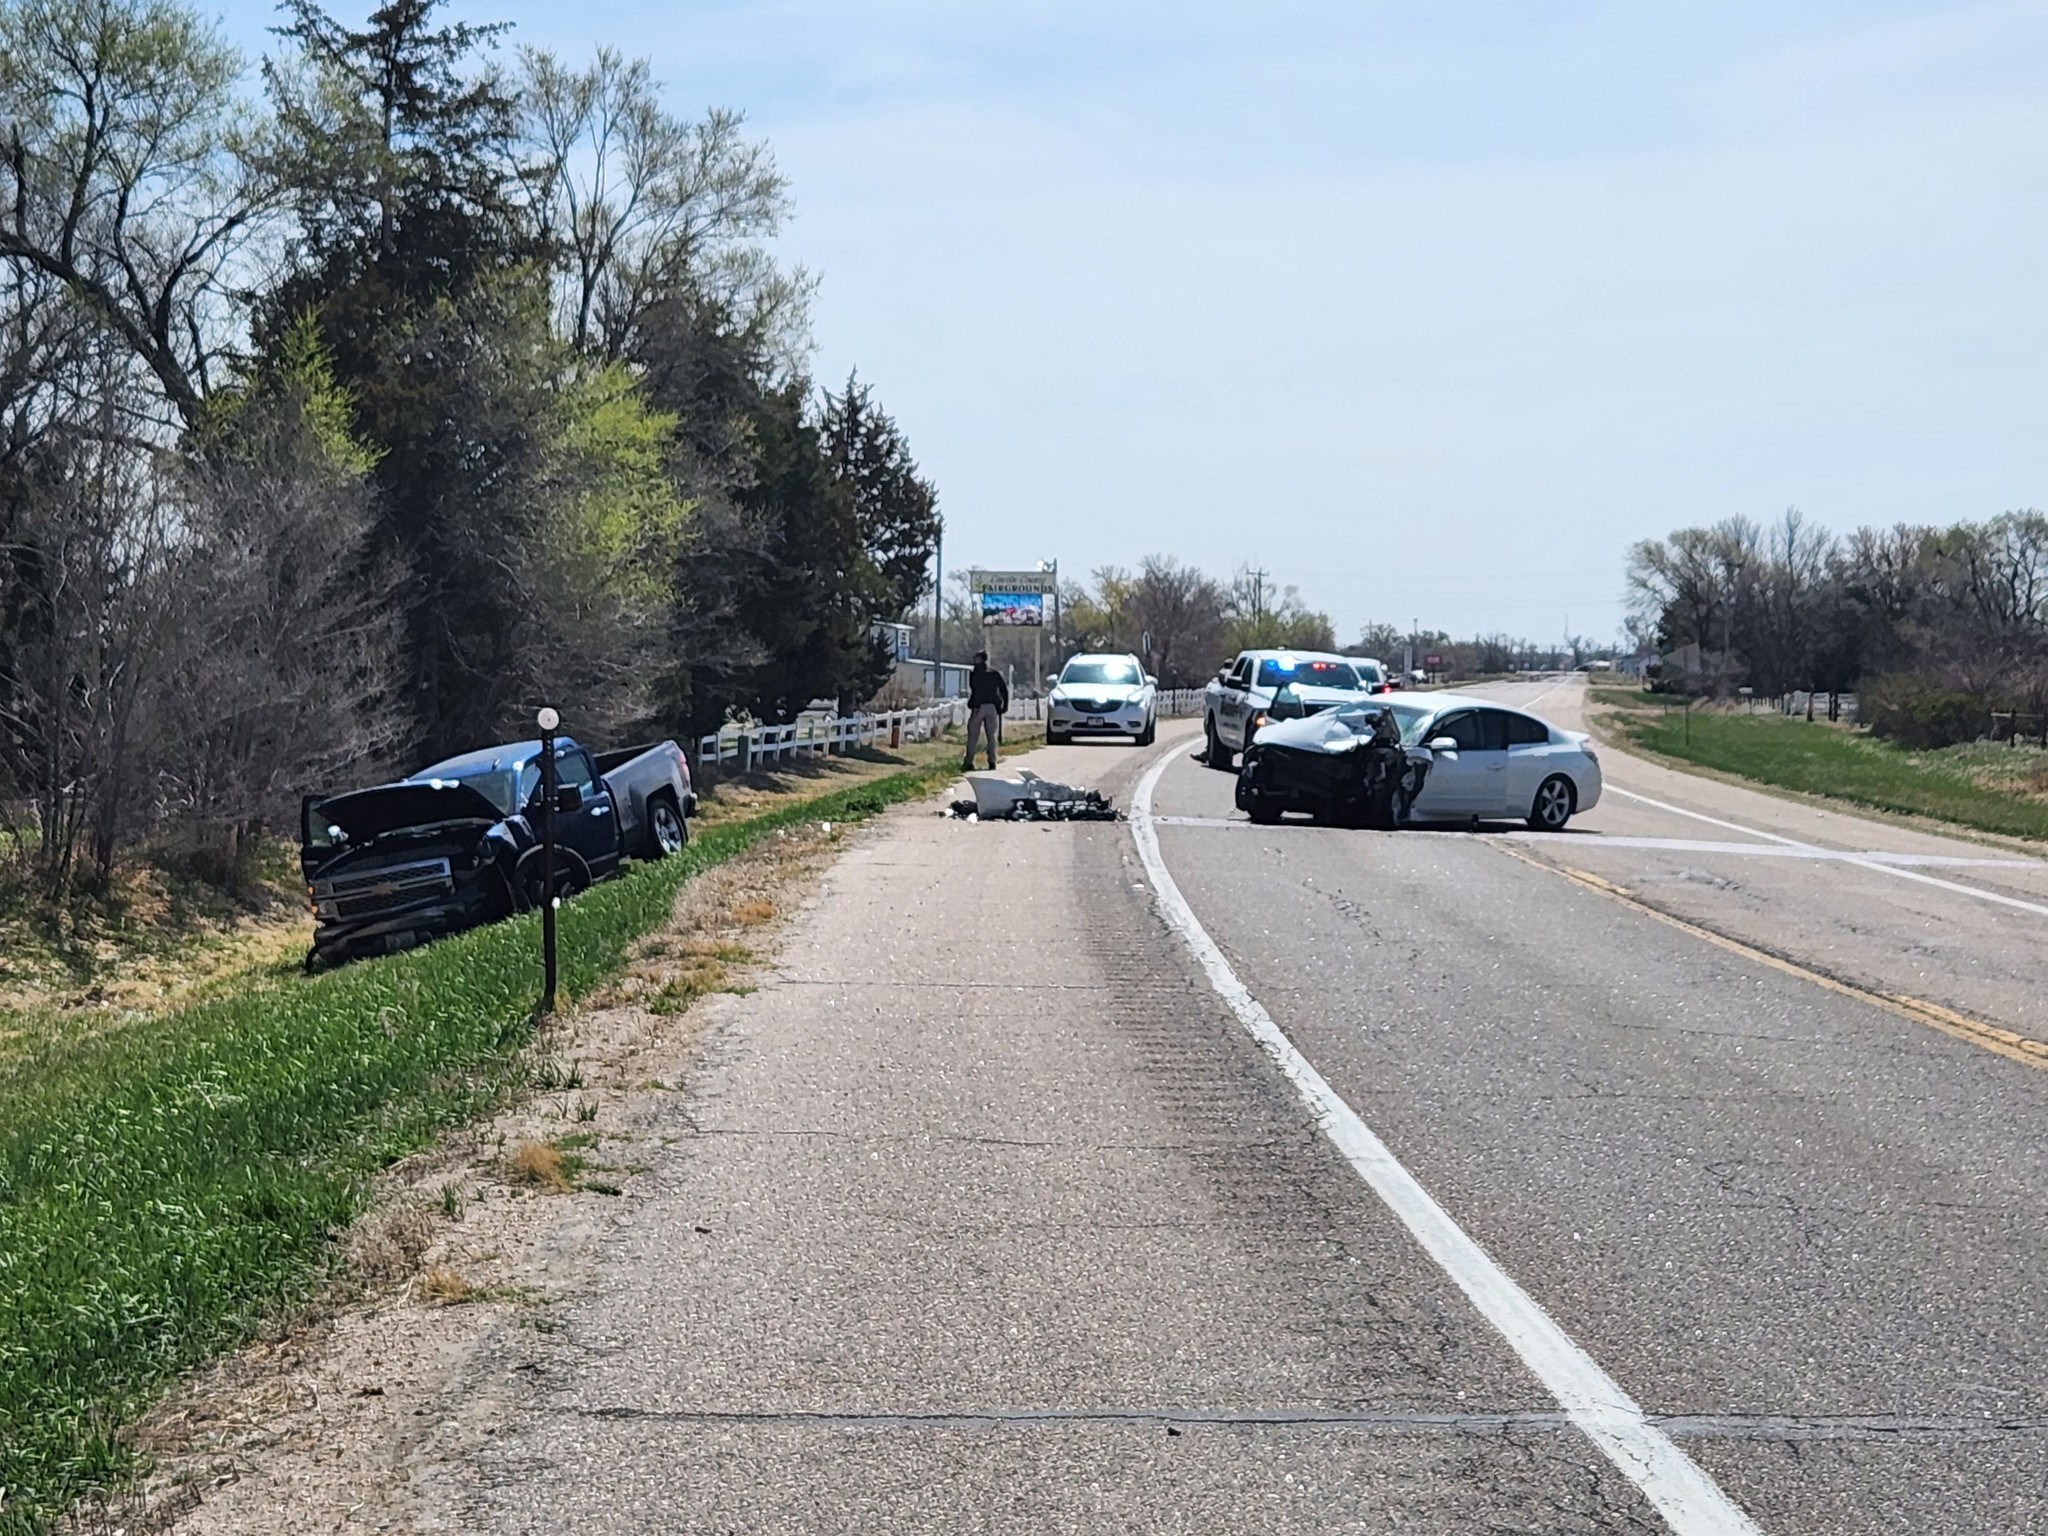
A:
(985, 685)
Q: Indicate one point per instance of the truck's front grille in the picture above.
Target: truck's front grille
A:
(366, 892)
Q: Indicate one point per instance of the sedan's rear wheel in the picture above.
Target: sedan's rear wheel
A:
(1553, 805)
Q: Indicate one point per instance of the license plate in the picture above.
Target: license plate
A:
(1096, 720)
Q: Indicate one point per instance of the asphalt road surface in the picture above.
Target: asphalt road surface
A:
(1533, 1210)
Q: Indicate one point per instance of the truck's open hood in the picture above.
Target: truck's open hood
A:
(368, 814)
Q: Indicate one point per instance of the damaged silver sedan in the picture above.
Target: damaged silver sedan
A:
(1346, 766)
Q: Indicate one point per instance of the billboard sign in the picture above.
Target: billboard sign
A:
(1042, 583)
(1432, 661)
(1025, 609)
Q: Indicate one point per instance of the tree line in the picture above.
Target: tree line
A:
(353, 408)
(1934, 627)
(1185, 623)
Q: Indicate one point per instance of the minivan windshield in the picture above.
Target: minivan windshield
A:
(1111, 671)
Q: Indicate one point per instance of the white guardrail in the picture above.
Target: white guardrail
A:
(820, 736)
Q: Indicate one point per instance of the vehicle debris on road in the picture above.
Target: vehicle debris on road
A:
(1027, 797)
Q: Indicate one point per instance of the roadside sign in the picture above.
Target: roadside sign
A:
(1007, 607)
(1432, 661)
(1043, 583)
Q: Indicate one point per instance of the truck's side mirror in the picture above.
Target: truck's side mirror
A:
(1223, 674)
(568, 800)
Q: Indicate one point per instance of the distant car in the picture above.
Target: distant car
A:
(1373, 675)
(1491, 763)
(1102, 695)
(1239, 701)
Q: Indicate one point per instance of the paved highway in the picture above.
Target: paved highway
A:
(1805, 1224)
(1191, 1176)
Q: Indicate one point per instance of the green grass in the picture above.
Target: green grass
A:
(1988, 786)
(164, 1190)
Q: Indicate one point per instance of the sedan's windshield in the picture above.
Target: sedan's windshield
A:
(1412, 717)
(1101, 672)
(1274, 671)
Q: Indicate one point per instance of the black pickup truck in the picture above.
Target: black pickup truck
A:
(458, 843)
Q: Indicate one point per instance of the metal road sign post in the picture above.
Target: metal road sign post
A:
(547, 720)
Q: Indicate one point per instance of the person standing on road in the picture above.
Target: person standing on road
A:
(988, 696)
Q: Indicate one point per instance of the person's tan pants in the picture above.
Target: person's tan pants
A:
(986, 720)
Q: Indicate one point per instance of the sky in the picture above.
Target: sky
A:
(1430, 310)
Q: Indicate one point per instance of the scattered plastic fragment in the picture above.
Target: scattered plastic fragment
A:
(1027, 797)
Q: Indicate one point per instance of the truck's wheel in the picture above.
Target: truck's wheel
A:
(668, 830)
(571, 875)
(1214, 753)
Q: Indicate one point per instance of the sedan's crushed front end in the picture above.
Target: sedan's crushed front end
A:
(1346, 766)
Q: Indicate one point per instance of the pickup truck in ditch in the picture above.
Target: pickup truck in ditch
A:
(458, 843)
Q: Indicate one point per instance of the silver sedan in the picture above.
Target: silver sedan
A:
(1491, 763)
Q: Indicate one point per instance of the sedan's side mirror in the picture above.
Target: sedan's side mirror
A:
(1151, 681)
(568, 800)
(1052, 679)
(1442, 744)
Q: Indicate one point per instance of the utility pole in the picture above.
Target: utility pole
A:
(1258, 596)
(939, 614)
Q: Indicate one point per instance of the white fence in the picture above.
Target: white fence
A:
(1166, 703)
(819, 737)
(746, 745)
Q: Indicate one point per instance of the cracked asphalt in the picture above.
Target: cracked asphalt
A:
(984, 1214)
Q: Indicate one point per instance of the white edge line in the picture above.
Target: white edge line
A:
(1846, 858)
(1691, 1503)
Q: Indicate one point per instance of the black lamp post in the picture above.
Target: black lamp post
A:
(547, 720)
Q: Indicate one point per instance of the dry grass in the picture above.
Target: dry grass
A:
(540, 1165)
(447, 1286)
(152, 939)
(386, 1245)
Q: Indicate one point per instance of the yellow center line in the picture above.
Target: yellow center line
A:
(2003, 1042)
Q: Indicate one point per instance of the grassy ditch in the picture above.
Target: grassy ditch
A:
(1989, 786)
(165, 1189)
